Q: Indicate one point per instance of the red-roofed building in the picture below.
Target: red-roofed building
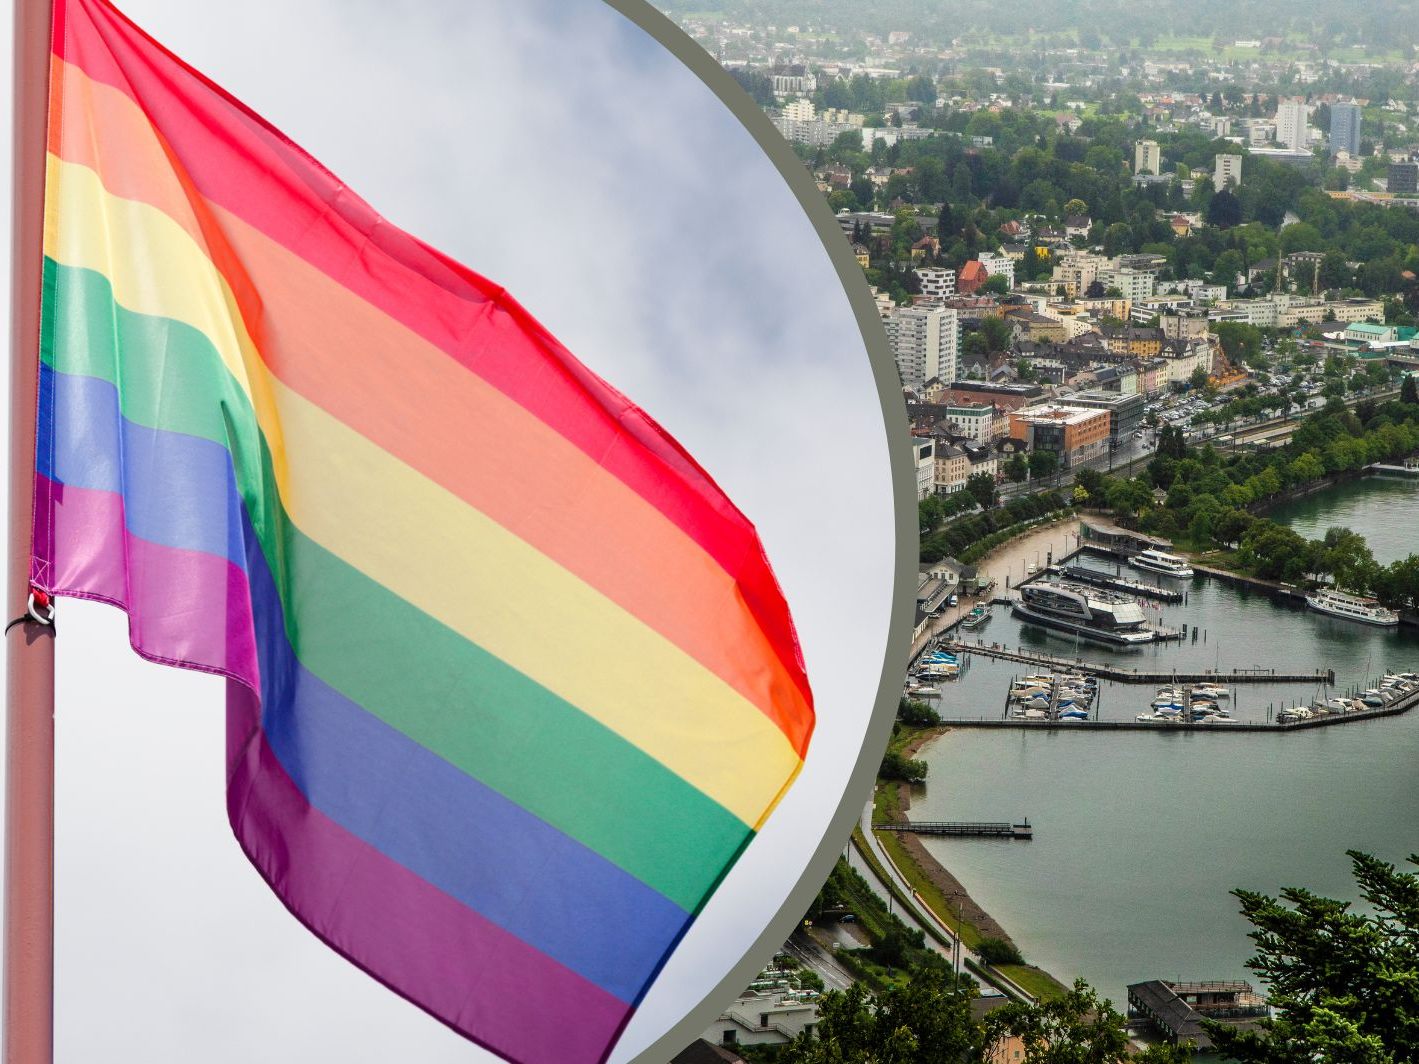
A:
(973, 274)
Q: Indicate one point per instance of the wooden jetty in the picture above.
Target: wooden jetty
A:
(1118, 583)
(1122, 675)
(963, 828)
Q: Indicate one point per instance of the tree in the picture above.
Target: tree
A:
(1224, 210)
(996, 284)
(924, 1022)
(896, 767)
(982, 487)
(997, 332)
(1344, 985)
(1017, 469)
(1409, 390)
(1078, 1027)
(1043, 464)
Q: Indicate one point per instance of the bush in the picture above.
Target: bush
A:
(905, 769)
(998, 951)
(911, 711)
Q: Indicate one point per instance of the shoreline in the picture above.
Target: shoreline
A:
(999, 563)
(936, 873)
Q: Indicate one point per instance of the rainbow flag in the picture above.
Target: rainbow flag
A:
(510, 682)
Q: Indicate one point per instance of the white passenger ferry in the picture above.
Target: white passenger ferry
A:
(1156, 561)
(1351, 607)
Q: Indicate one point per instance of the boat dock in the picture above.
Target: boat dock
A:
(1177, 1009)
(963, 829)
(1117, 583)
(1325, 720)
(1121, 675)
(1394, 470)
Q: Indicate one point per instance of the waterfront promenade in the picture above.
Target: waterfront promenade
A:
(1008, 564)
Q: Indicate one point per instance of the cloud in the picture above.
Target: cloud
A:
(553, 147)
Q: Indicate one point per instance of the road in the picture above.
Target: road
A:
(923, 914)
(813, 956)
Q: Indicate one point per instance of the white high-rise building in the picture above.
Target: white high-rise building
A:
(1147, 156)
(1227, 170)
(924, 341)
(1293, 123)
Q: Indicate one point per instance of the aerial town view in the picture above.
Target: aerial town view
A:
(1150, 275)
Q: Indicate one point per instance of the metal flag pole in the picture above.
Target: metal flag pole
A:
(29, 644)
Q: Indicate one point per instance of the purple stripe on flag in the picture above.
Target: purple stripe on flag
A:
(183, 605)
(482, 981)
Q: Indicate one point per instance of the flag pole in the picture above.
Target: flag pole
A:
(29, 646)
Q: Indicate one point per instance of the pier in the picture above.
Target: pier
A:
(1117, 583)
(1394, 470)
(1325, 720)
(1121, 675)
(963, 829)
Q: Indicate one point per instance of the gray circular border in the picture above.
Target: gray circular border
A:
(894, 418)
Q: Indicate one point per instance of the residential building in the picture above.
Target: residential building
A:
(1227, 170)
(924, 342)
(1293, 123)
(983, 460)
(974, 421)
(924, 458)
(758, 1018)
(1076, 272)
(1131, 284)
(1403, 178)
(1345, 128)
(998, 265)
(937, 282)
(1147, 157)
(1005, 396)
(950, 470)
(1038, 327)
(1138, 341)
(1077, 434)
(1184, 325)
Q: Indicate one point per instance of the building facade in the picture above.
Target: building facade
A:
(1227, 170)
(1076, 434)
(923, 340)
(1344, 128)
(1147, 157)
(1293, 128)
(1403, 178)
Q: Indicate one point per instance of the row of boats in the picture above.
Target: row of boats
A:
(933, 666)
(1393, 687)
(1192, 704)
(1062, 697)
(1324, 600)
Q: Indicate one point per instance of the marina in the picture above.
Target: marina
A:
(1173, 796)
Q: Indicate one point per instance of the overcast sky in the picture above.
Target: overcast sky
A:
(552, 146)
